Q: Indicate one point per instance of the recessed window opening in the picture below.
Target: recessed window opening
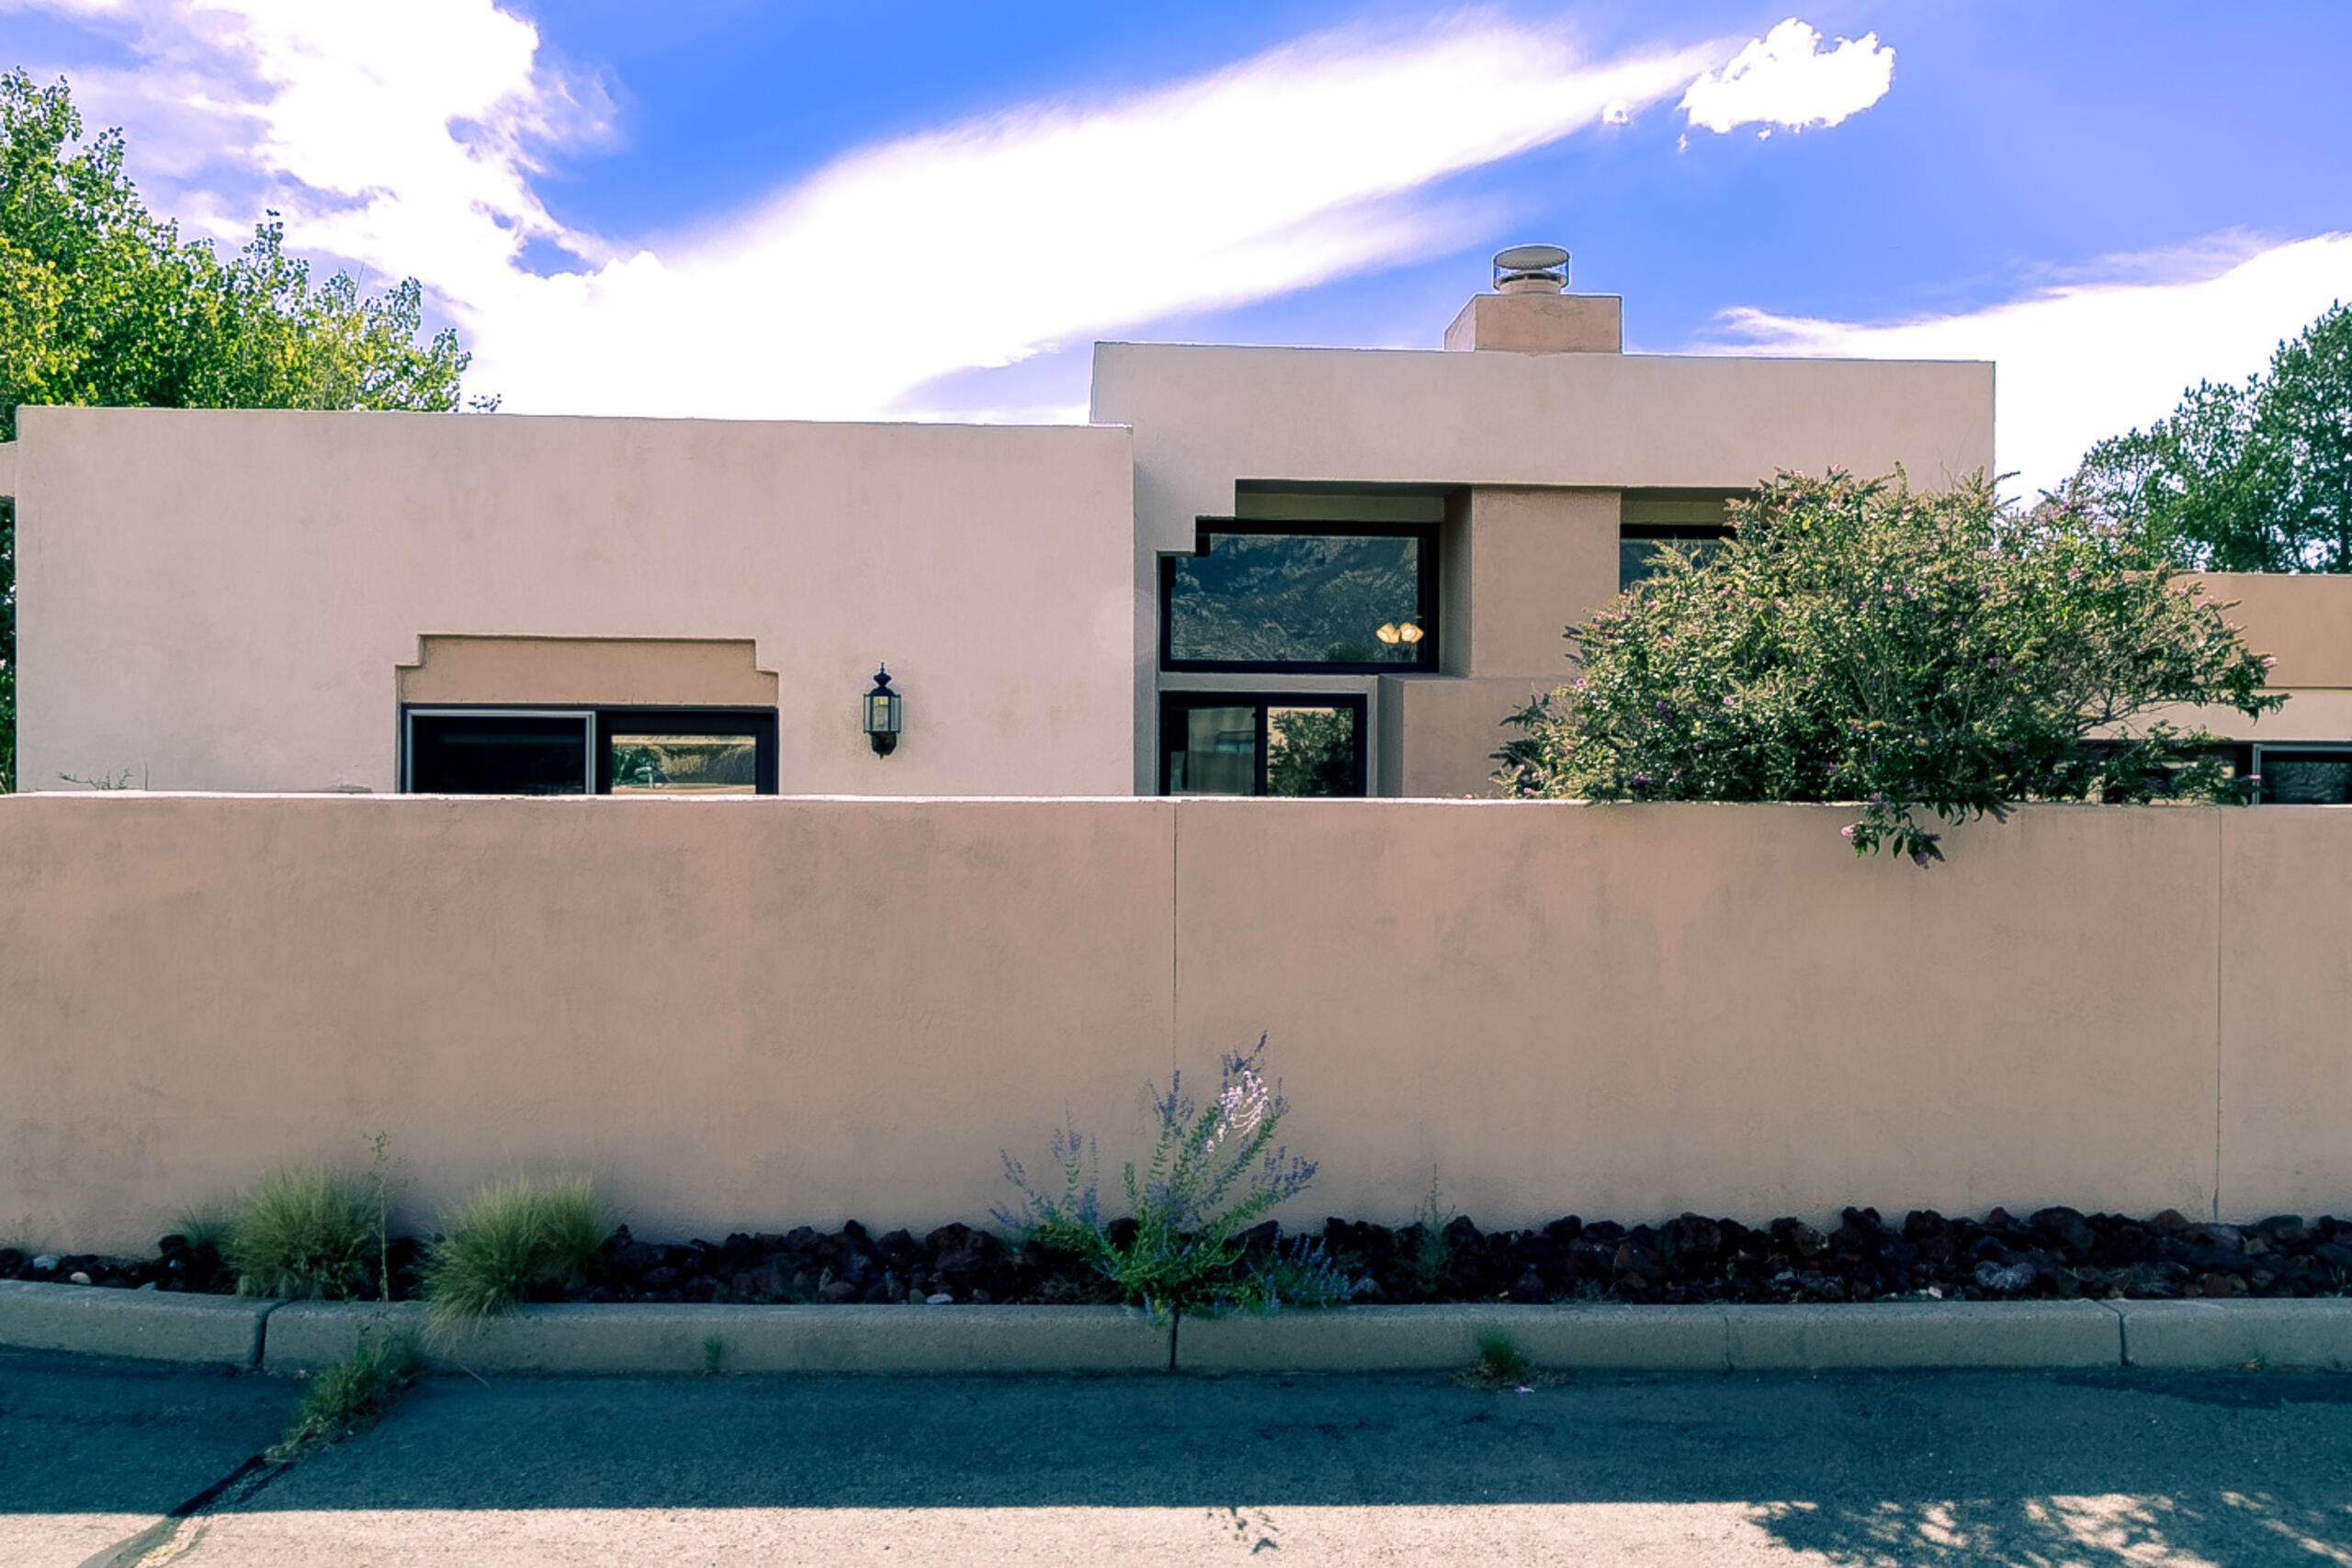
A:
(1261, 743)
(1695, 522)
(1639, 546)
(640, 752)
(2303, 775)
(1322, 598)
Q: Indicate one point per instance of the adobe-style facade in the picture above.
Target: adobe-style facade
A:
(1257, 570)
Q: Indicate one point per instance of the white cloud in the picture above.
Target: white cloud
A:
(1785, 78)
(405, 139)
(2091, 359)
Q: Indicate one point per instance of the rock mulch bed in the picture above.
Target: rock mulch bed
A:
(2052, 1253)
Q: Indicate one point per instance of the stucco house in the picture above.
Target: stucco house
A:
(1256, 570)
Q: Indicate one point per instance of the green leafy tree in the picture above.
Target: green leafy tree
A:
(101, 302)
(1923, 654)
(2256, 477)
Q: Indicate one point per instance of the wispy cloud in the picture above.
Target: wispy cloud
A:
(2095, 358)
(1787, 79)
(406, 139)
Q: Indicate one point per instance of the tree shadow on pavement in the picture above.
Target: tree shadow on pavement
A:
(2037, 1532)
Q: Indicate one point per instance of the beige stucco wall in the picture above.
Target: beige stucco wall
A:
(1205, 417)
(761, 1012)
(219, 600)
(1540, 323)
(637, 671)
(2286, 1009)
(1536, 561)
(2304, 619)
(1438, 735)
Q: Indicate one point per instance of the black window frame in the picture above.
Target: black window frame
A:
(600, 724)
(1425, 658)
(2261, 752)
(757, 723)
(1356, 703)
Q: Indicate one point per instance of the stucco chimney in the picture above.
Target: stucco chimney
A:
(1531, 310)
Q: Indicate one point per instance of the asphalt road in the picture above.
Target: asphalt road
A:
(2150, 1470)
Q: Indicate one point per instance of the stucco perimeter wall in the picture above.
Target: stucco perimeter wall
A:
(757, 1013)
(219, 600)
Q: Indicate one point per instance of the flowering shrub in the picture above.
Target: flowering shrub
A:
(1923, 654)
(1299, 1272)
(1214, 1172)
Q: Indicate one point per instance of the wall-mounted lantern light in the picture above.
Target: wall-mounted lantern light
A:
(1393, 633)
(882, 714)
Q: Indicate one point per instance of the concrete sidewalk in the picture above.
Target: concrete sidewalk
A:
(1716, 1471)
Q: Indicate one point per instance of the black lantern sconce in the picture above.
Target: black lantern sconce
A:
(882, 714)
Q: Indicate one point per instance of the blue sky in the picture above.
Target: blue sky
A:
(715, 206)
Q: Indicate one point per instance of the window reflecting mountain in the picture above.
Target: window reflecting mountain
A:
(1299, 599)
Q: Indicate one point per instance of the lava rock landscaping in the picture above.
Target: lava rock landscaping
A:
(2050, 1254)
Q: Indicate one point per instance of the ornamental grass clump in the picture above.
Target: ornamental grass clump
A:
(1924, 655)
(1214, 1174)
(304, 1233)
(507, 1242)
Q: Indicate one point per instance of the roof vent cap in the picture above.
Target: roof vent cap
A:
(1532, 269)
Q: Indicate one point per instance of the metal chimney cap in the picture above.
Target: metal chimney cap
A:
(1532, 269)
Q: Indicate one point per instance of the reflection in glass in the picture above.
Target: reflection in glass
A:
(1310, 750)
(1214, 751)
(684, 764)
(498, 753)
(2306, 778)
(1298, 599)
(1638, 557)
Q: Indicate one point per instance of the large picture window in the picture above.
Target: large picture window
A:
(462, 750)
(1237, 743)
(1326, 598)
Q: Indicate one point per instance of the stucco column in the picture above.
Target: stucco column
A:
(1517, 565)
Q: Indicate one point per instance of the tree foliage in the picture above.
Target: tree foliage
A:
(1923, 654)
(2256, 477)
(101, 302)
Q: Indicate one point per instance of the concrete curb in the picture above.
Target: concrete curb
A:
(2236, 1334)
(147, 1324)
(300, 1336)
(1924, 1334)
(556, 1340)
(1421, 1338)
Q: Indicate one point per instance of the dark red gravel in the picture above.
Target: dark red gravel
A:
(2052, 1253)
